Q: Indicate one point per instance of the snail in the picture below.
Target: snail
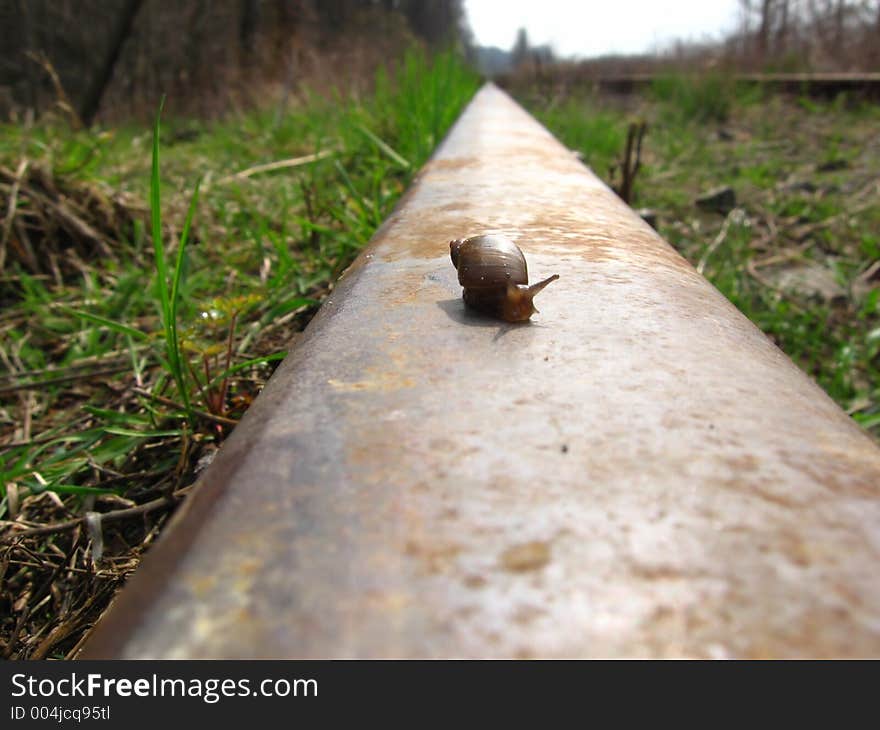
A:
(493, 272)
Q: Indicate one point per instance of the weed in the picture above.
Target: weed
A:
(598, 135)
(702, 98)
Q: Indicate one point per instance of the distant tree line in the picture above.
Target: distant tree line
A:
(780, 35)
(524, 53)
(116, 57)
(521, 57)
(771, 35)
(833, 35)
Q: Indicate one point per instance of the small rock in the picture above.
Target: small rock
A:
(810, 280)
(725, 135)
(799, 186)
(718, 200)
(832, 165)
(649, 216)
(185, 134)
(866, 282)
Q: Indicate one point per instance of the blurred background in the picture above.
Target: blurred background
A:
(115, 57)
(119, 55)
(639, 36)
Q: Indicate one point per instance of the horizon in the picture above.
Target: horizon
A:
(572, 32)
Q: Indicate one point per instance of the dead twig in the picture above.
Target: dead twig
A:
(278, 165)
(68, 427)
(631, 163)
(737, 215)
(47, 564)
(62, 99)
(37, 385)
(84, 363)
(112, 516)
(174, 404)
(868, 274)
(10, 209)
(800, 232)
(763, 281)
(793, 254)
(73, 222)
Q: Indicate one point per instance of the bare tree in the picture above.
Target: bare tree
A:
(764, 29)
(520, 52)
(95, 91)
(114, 58)
(247, 30)
(781, 40)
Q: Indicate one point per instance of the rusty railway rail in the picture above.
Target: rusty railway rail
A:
(638, 472)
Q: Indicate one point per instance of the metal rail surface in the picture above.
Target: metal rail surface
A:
(637, 472)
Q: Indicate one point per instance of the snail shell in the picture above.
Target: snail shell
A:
(495, 277)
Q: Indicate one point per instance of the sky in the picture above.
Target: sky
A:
(585, 28)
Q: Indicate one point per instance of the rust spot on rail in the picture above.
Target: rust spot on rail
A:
(637, 472)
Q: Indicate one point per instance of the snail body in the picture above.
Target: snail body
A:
(494, 274)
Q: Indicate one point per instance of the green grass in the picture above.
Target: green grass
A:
(598, 134)
(708, 131)
(128, 352)
(200, 297)
(169, 300)
(699, 98)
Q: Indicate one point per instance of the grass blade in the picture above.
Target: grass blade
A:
(173, 342)
(248, 363)
(119, 431)
(156, 220)
(385, 147)
(123, 329)
(168, 300)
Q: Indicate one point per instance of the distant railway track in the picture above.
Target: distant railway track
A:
(819, 84)
(639, 472)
